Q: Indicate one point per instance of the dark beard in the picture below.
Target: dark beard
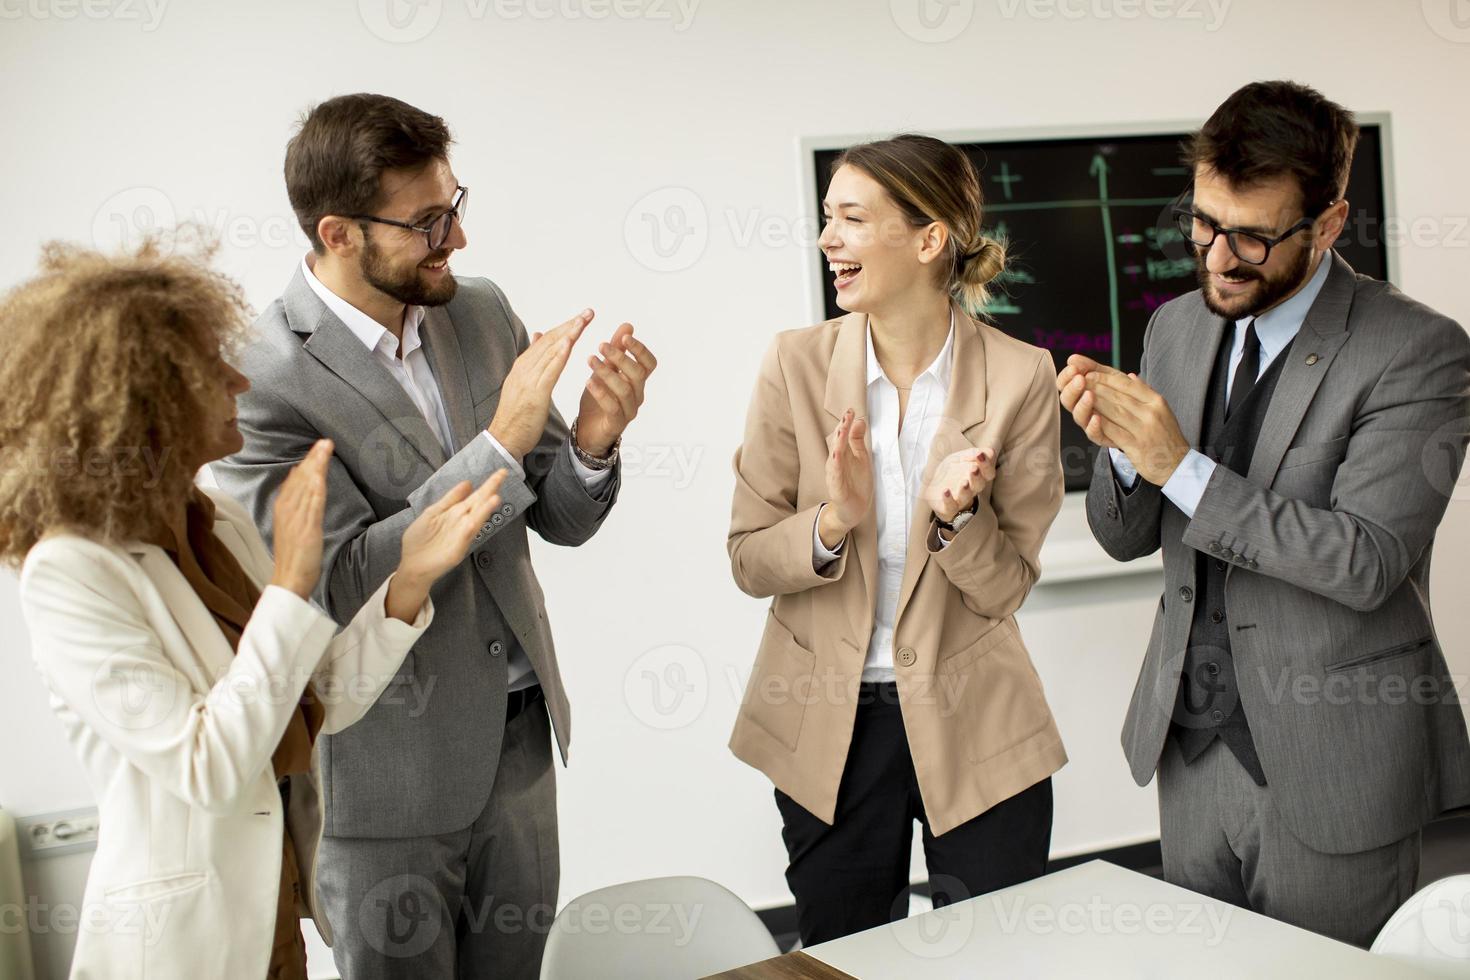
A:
(1271, 292)
(405, 287)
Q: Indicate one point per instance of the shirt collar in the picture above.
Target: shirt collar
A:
(941, 368)
(1276, 327)
(374, 335)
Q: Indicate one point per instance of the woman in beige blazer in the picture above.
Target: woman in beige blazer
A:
(188, 668)
(900, 469)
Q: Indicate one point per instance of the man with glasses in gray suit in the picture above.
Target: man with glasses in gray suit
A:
(1290, 441)
(439, 855)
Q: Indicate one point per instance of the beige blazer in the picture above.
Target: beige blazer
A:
(978, 724)
(175, 731)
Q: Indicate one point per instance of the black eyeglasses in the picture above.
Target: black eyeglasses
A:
(436, 232)
(1248, 246)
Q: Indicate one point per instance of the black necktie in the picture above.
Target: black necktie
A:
(1246, 370)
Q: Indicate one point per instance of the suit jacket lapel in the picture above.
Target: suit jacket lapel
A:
(208, 644)
(441, 346)
(1205, 335)
(1321, 336)
(190, 614)
(847, 387)
(964, 410)
(331, 342)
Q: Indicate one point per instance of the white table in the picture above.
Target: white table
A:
(1100, 920)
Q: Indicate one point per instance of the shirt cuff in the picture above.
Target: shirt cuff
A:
(1123, 470)
(591, 479)
(1187, 485)
(516, 468)
(822, 556)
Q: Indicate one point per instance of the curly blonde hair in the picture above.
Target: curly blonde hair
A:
(110, 362)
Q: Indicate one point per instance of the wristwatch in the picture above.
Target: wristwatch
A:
(587, 459)
(960, 519)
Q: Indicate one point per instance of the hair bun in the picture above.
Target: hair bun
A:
(982, 263)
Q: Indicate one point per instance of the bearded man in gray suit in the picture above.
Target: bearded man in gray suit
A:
(1290, 441)
(439, 855)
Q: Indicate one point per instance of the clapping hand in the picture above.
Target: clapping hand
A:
(956, 481)
(614, 393)
(849, 481)
(437, 540)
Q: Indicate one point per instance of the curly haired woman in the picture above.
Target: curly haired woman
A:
(188, 668)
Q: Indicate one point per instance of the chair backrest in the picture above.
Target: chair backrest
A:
(654, 929)
(1434, 924)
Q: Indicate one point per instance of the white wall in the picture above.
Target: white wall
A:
(571, 129)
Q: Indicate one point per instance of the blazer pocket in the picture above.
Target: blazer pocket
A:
(988, 641)
(1378, 656)
(781, 684)
(406, 671)
(153, 889)
(1314, 453)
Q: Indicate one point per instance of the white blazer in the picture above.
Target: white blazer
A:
(176, 732)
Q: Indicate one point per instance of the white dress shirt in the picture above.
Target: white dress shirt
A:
(411, 371)
(899, 457)
(1274, 329)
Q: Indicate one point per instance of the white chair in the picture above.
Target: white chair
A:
(1432, 927)
(658, 928)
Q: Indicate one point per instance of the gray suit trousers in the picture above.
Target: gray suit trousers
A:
(470, 904)
(1224, 837)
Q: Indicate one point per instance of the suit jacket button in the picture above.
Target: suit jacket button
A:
(483, 559)
(1112, 511)
(906, 657)
(497, 520)
(1228, 555)
(485, 528)
(1217, 716)
(507, 509)
(496, 648)
(1186, 593)
(1251, 563)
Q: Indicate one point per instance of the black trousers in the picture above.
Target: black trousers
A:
(854, 874)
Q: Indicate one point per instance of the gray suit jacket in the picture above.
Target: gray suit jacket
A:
(423, 759)
(1328, 540)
